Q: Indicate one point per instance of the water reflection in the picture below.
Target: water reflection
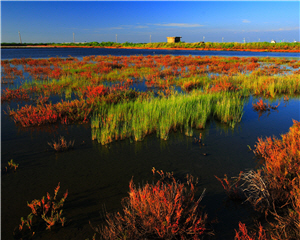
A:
(81, 52)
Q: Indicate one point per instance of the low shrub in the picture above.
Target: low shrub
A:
(274, 189)
(165, 210)
(61, 144)
(47, 210)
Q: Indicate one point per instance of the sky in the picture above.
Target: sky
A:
(145, 21)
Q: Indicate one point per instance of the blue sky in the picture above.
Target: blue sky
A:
(135, 21)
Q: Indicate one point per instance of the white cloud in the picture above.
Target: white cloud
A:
(138, 26)
(141, 27)
(276, 30)
(113, 28)
(246, 21)
(185, 25)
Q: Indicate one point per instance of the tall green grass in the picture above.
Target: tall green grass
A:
(268, 85)
(162, 115)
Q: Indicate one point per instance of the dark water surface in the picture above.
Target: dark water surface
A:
(97, 176)
(80, 52)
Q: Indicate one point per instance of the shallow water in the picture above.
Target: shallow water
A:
(97, 176)
(81, 52)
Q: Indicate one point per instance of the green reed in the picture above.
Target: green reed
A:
(162, 115)
(268, 85)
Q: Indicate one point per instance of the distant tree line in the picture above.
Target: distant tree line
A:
(24, 44)
(294, 46)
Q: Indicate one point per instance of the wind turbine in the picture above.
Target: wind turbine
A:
(20, 37)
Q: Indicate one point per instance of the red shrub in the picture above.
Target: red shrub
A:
(17, 94)
(281, 159)
(165, 210)
(242, 234)
(261, 106)
(223, 85)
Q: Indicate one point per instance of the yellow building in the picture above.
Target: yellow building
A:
(173, 39)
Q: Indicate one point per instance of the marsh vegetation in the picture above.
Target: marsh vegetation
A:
(133, 98)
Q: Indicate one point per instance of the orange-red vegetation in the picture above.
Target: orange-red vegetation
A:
(65, 112)
(165, 210)
(223, 85)
(281, 162)
(274, 189)
(280, 175)
(48, 210)
(11, 165)
(262, 106)
(17, 94)
(61, 144)
(242, 233)
(231, 188)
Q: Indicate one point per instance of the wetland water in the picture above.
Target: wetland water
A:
(97, 176)
(80, 52)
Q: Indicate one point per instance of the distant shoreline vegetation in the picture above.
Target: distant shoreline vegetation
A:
(228, 46)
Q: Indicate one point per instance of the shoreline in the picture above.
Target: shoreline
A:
(197, 49)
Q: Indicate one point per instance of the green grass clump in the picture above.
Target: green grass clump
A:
(162, 115)
(268, 85)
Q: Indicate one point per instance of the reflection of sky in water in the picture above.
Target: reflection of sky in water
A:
(81, 52)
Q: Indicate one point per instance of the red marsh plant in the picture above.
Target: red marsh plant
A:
(281, 163)
(261, 107)
(222, 85)
(61, 145)
(17, 94)
(281, 166)
(66, 112)
(47, 210)
(167, 209)
(231, 186)
(274, 189)
(11, 165)
(56, 73)
(9, 72)
(242, 233)
(38, 72)
(29, 115)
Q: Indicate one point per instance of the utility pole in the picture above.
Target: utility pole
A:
(222, 39)
(73, 37)
(203, 38)
(244, 40)
(20, 37)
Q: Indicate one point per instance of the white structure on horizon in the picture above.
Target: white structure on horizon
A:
(273, 41)
(20, 37)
